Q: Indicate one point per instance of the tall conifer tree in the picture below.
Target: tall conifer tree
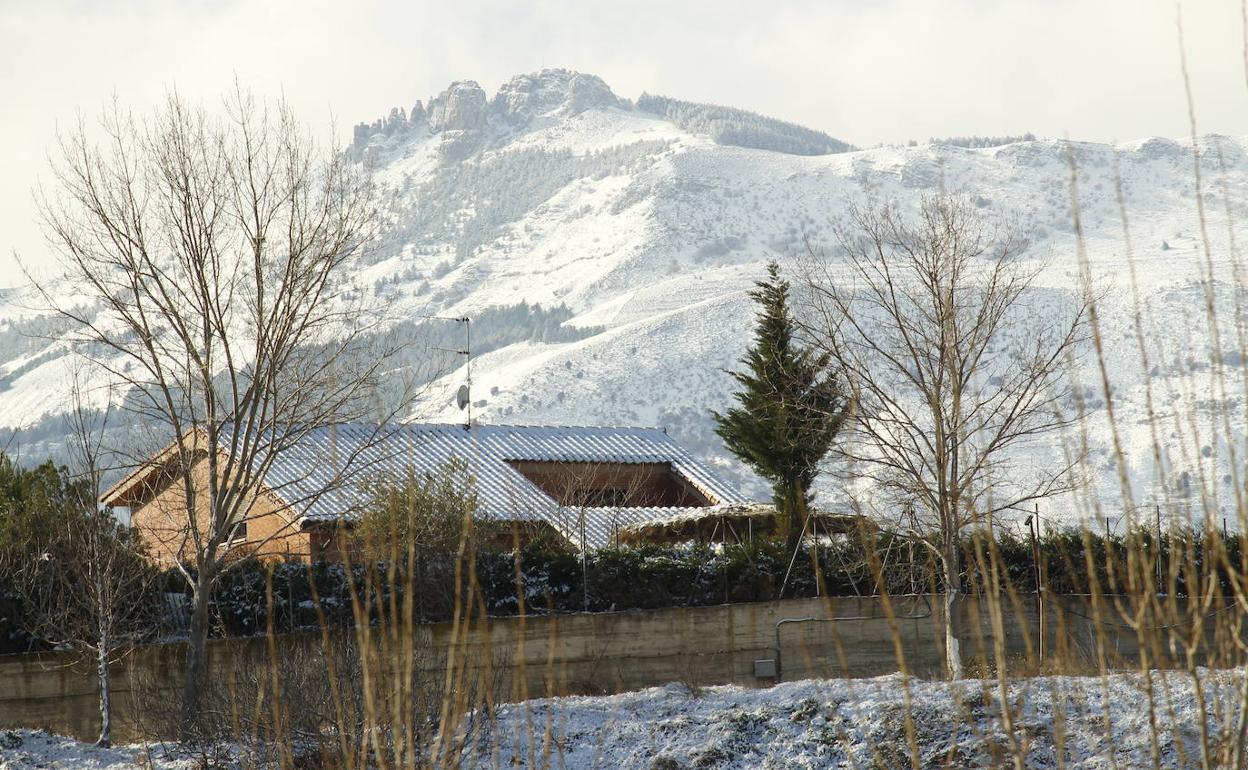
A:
(791, 405)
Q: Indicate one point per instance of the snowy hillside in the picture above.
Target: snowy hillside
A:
(603, 249)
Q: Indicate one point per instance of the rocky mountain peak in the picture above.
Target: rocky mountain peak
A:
(463, 110)
(461, 107)
(551, 90)
(466, 120)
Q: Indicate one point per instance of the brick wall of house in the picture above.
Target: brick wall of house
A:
(159, 516)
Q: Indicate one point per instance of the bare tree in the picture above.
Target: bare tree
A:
(91, 588)
(954, 365)
(581, 488)
(207, 255)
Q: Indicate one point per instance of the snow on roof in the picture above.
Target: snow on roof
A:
(303, 473)
(683, 524)
(738, 509)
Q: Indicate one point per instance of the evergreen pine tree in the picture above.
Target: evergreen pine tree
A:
(791, 405)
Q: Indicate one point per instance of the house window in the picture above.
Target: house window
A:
(612, 485)
(240, 532)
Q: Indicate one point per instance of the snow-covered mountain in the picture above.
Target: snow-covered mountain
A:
(603, 249)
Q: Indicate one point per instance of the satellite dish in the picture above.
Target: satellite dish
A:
(461, 396)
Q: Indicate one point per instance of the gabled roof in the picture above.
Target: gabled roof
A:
(142, 480)
(301, 473)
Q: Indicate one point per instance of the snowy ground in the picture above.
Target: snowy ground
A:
(862, 723)
(31, 750)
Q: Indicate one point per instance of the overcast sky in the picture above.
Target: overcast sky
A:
(866, 71)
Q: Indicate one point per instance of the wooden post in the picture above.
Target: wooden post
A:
(1033, 528)
(1158, 559)
(584, 564)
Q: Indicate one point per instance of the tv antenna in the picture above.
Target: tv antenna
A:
(463, 396)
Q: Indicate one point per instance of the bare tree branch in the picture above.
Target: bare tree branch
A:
(934, 321)
(212, 252)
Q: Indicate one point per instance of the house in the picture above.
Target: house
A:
(582, 484)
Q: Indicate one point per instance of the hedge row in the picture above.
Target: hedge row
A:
(554, 579)
(558, 580)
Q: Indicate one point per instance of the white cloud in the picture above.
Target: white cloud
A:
(864, 71)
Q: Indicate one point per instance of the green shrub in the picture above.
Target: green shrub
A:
(554, 579)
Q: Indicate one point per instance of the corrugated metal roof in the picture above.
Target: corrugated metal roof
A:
(305, 475)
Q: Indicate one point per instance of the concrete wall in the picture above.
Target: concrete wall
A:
(599, 653)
